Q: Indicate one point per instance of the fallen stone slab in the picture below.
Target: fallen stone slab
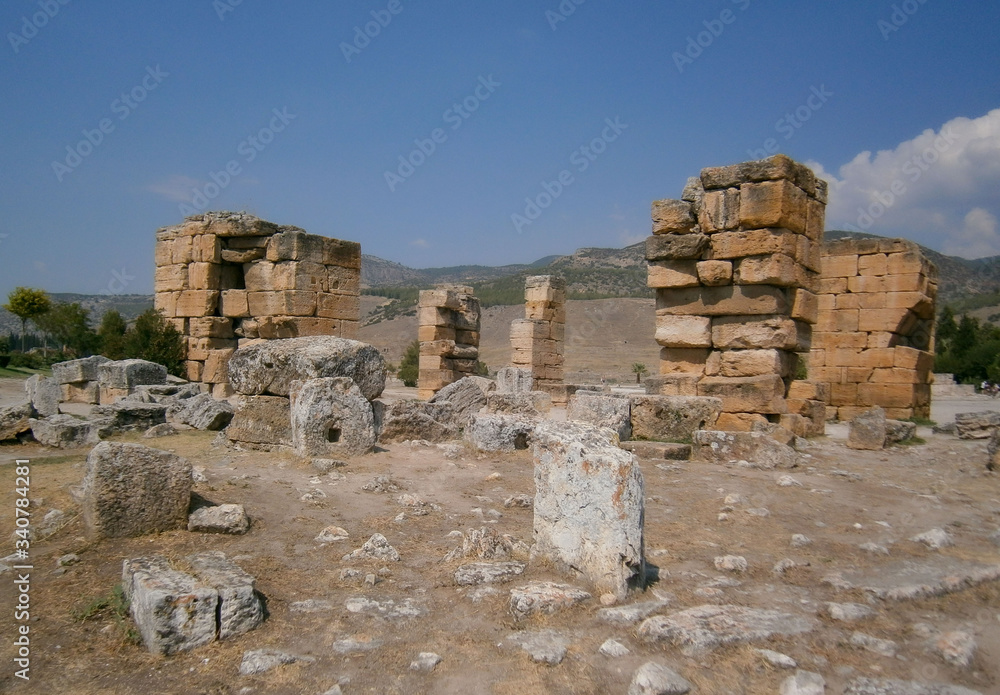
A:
(259, 661)
(389, 609)
(44, 394)
(261, 422)
(873, 686)
(66, 431)
(220, 518)
(613, 648)
(408, 420)
(910, 580)
(530, 404)
(514, 380)
(270, 367)
(849, 612)
(756, 447)
(897, 431)
(157, 431)
(673, 418)
(601, 411)
(126, 416)
(655, 679)
(867, 431)
(331, 418)
(203, 412)
(76, 371)
(803, 683)
(627, 615)
(543, 646)
(467, 396)
(425, 661)
(589, 506)
(488, 573)
(545, 597)
(496, 432)
(976, 425)
(239, 609)
(707, 627)
(15, 420)
(132, 490)
(127, 374)
(172, 610)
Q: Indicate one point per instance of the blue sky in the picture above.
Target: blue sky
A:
(312, 117)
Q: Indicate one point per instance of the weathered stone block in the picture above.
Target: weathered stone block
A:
(715, 273)
(752, 242)
(15, 420)
(672, 418)
(496, 432)
(171, 278)
(773, 269)
(670, 216)
(757, 394)
(867, 430)
(773, 204)
(764, 332)
(758, 448)
(610, 412)
(239, 608)
(261, 422)
(720, 210)
(195, 303)
(684, 331)
(285, 303)
(330, 418)
(44, 394)
(127, 374)
(669, 247)
(210, 327)
(662, 274)
(75, 371)
(339, 306)
(723, 301)
(530, 404)
(683, 360)
(741, 363)
(416, 420)
(514, 380)
(204, 276)
(673, 385)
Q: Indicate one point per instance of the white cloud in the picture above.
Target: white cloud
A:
(420, 243)
(942, 189)
(176, 188)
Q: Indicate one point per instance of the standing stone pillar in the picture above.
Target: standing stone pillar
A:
(537, 339)
(735, 264)
(448, 318)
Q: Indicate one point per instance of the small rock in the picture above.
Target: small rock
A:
(388, 608)
(68, 559)
(332, 534)
(488, 573)
(350, 573)
(777, 659)
(543, 646)
(849, 612)
(357, 644)
(544, 597)
(731, 563)
(762, 512)
(493, 476)
(164, 429)
(614, 649)
(327, 465)
(371, 580)
(222, 518)
(381, 483)
(788, 481)
(883, 647)
(799, 541)
(375, 548)
(874, 548)
(654, 679)
(525, 502)
(783, 566)
(198, 474)
(733, 499)
(935, 539)
(310, 606)
(262, 660)
(425, 661)
(803, 683)
(957, 648)
(626, 615)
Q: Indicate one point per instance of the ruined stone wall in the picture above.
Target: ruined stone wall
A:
(874, 340)
(448, 319)
(226, 277)
(537, 339)
(735, 265)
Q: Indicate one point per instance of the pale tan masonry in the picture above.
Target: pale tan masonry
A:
(448, 319)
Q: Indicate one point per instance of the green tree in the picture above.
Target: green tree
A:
(946, 328)
(69, 326)
(153, 338)
(27, 303)
(409, 366)
(965, 337)
(112, 334)
(639, 369)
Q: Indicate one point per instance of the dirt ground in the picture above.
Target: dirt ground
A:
(845, 498)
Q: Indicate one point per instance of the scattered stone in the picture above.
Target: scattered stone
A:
(543, 646)
(327, 465)
(544, 597)
(800, 541)
(259, 661)
(867, 430)
(127, 374)
(261, 422)
(467, 397)
(68, 559)
(410, 420)
(221, 518)
(872, 686)
(203, 412)
(849, 612)
(270, 367)
(673, 418)
(425, 661)
(129, 416)
(883, 647)
(44, 394)
(520, 501)
(731, 563)
(485, 544)
(532, 404)
(614, 649)
(239, 608)
(788, 481)
(488, 573)
(935, 539)
(381, 483)
(65, 432)
(803, 683)
(332, 534)
(588, 506)
(375, 548)
(310, 606)
(957, 648)
(783, 566)
(358, 644)
(762, 512)
(601, 411)
(627, 615)
(165, 429)
(654, 679)
(777, 659)
(874, 548)
(132, 490)
(897, 431)
(495, 432)
(331, 417)
(514, 380)
(387, 608)
(977, 425)
(706, 627)
(756, 447)
(15, 420)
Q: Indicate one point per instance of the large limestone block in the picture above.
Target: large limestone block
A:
(496, 432)
(467, 396)
(665, 274)
(531, 404)
(752, 242)
(755, 394)
(127, 374)
(756, 363)
(75, 371)
(675, 247)
(44, 394)
(684, 331)
(65, 431)
(514, 380)
(588, 511)
(672, 418)
(239, 606)
(132, 490)
(673, 385)
(774, 168)
(126, 415)
(270, 367)
(438, 421)
(758, 448)
(203, 412)
(720, 210)
(867, 430)
(763, 332)
(670, 216)
(730, 300)
(331, 418)
(261, 422)
(15, 419)
(173, 611)
(773, 204)
(598, 410)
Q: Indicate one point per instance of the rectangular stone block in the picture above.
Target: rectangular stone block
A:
(206, 248)
(773, 269)
(163, 252)
(835, 285)
(183, 252)
(434, 316)
(200, 348)
(886, 395)
(856, 340)
(436, 363)
(261, 421)
(910, 262)
(338, 306)
(815, 220)
(809, 253)
(740, 422)
(805, 306)
(773, 168)
(467, 337)
(234, 304)
(838, 321)
(192, 303)
(722, 301)
(299, 275)
(346, 254)
(873, 264)
(808, 391)
(753, 242)
(279, 327)
(672, 247)
(210, 327)
(216, 368)
(867, 283)
(907, 283)
(895, 375)
(288, 303)
(82, 392)
(720, 210)
(544, 311)
(844, 394)
(673, 385)
(295, 246)
(767, 332)
(193, 370)
(440, 348)
(911, 358)
(683, 360)
(170, 278)
(773, 204)
(894, 320)
(839, 267)
(715, 273)
(431, 333)
(858, 375)
(740, 363)
(675, 331)
(343, 280)
(544, 293)
(758, 394)
(662, 274)
(672, 216)
(529, 329)
(441, 298)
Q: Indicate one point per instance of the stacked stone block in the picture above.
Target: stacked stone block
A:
(874, 341)
(735, 264)
(448, 318)
(537, 339)
(222, 278)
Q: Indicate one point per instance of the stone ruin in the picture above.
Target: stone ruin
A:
(448, 319)
(874, 341)
(224, 277)
(736, 265)
(537, 339)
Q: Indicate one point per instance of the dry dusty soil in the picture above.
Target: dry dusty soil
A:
(841, 500)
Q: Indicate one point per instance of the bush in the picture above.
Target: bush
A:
(409, 367)
(153, 338)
